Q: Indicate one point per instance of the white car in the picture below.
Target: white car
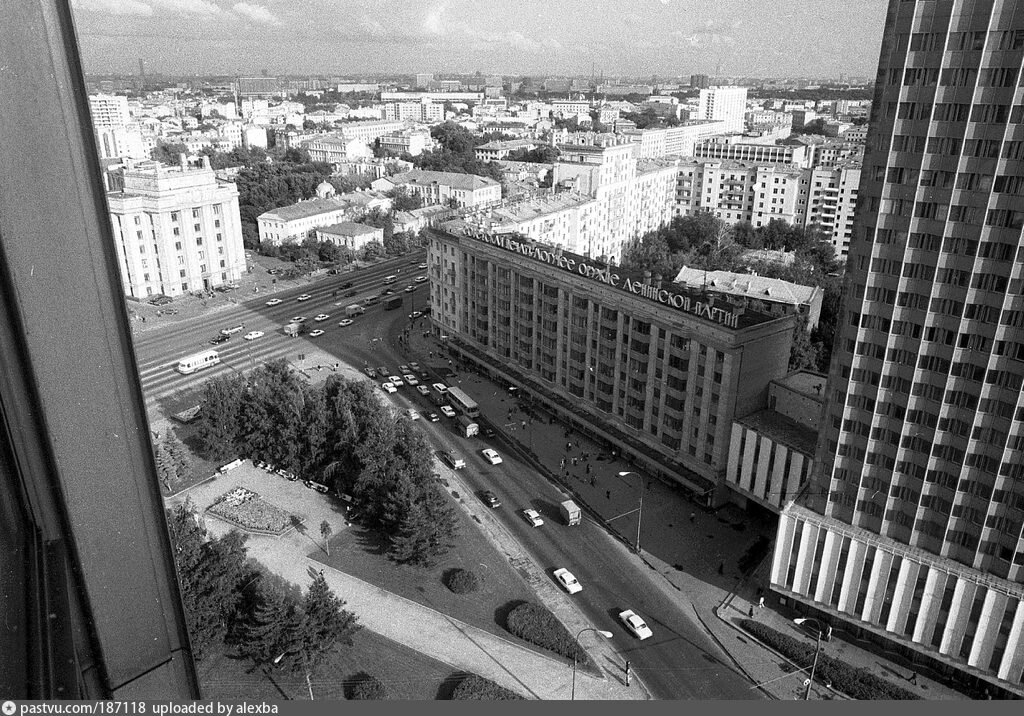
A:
(491, 456)
(314, 334)
(409, 289)
(273, 301)
(395, 381)
(413, 415)
(533, 517)
(345, 322)
(321, 317)
(388, 387)
(253, 335)
(447, 411)
(305, 297)
(298, 319)
(423, 390)
(410, 379)
(421, 279)
(414, 366)
(568, 581)
(422, 266)
(414, 315)
(635, 624)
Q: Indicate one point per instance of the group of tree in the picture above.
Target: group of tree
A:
(544, 154)
(455, 152)
(704, 241)
(173, 464)
(649, 119)
(340, 435)
(229, 598)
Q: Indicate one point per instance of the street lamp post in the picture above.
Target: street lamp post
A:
(640, 511)
(817, 649)
(605, 634)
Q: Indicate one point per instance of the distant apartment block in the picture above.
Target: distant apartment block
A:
(424, 111)
(176, 229)
(439, 97)
(407, 141)
(462, 190)
(500, 149)
(109, 110)
(422, 80)
(725, 103)
(368, 131)
(700, 81)
(569, 107)
(735, 149)
(259, 87)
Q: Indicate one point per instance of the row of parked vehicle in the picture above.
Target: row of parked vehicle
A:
(290, 476)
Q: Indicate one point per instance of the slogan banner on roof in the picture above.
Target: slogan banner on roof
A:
(607, 275)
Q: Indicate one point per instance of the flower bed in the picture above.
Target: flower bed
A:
(248, 510)
(855, 682)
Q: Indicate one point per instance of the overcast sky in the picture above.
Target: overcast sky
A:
(513, 37)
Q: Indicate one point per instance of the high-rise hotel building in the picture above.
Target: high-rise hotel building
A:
(911, 532)
(658, 370)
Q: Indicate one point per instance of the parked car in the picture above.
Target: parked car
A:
(487, 431)
(389, 387)
(451, 459)
(273, 271)
(273, 301)
(347, 284)
(568, 581)
(253, 335)
(422, 266)
(403, 369)
(491, 456)
(414, 366)
(395, 381)
(352, 292)
(533, 517)
(431, 416)
(217, 340)
(414, 315)
(410, 379)
(491, 500)
(160, 300)
(635, 624)
(370, 372)
(382, 370)
(423, 390)
(413, 415)
(409, 289)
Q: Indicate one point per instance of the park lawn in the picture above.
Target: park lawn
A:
(405, 673)
(358, 551)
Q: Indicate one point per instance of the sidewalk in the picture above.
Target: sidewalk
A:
(695, 548)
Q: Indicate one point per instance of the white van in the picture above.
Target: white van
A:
(390, 279)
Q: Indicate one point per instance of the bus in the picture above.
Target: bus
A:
(463, 403)
(192, 363)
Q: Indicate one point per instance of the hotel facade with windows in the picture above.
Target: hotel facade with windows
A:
(912, 533)
(177, 229)
(655, 369)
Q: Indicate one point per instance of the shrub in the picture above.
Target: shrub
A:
(461, 581)
(855, 682)
(478, 688)
(535, 624)
(366, 688)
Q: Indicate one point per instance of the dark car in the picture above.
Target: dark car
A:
(491, 500)
(274, 271)
(350, 293)
(347, 284)
(487, 431)
(217, 340)
(160, 300)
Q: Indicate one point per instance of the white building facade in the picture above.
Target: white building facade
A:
(728, 104)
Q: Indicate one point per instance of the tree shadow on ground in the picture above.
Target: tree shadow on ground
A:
(370, 541)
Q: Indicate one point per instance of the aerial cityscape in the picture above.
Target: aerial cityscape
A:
(527, 351)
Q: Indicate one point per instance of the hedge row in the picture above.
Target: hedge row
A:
(855, 682)
(478, 688)
(535, 624)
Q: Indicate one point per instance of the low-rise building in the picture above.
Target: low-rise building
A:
(462, 190)
(350, 235)
(502, 148)
(407, 141)
(295, 223)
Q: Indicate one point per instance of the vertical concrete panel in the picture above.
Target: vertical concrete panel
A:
(783, 546)
(934, 586)
(793, 478)
(805, 558)
(734, 455)
(902, 596)
(761, 476)
(851, 576)
(1012, 667)
(988, 629)
(774, 494)
(956, 623)
(747, 480)
(827, 568)
(876, 586)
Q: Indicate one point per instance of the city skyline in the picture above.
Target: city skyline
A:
(653, 37)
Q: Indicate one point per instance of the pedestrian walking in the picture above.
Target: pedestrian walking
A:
(563, 463)
(693, 516)
(760, 602)
(721, 567)
(608, 494)
(913, 678)
(751, 612)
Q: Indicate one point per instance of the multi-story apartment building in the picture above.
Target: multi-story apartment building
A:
(368, 131)
(725, 103)
(569, 107)
(829, 198)
(109, 110)
(423, 110)
(657, 370)
(633, 198)
(734, 148)
(736, 191)
(176, 229)
(407, 141)
(827, 151)
(912, 532)
(334, 149)
(461, 190)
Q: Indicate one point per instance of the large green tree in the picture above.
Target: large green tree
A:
(217, 425)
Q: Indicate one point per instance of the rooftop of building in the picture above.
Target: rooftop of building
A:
(508, 144)
(780, 429)
(349, 228)
(806, 382)
(745, 284)
(304, 209)
(741, 164)
(465, 182)
(530, 209)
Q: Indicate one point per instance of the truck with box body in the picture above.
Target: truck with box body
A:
(468, 427)
(392, 302)
(293, 329)
(571, 512)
